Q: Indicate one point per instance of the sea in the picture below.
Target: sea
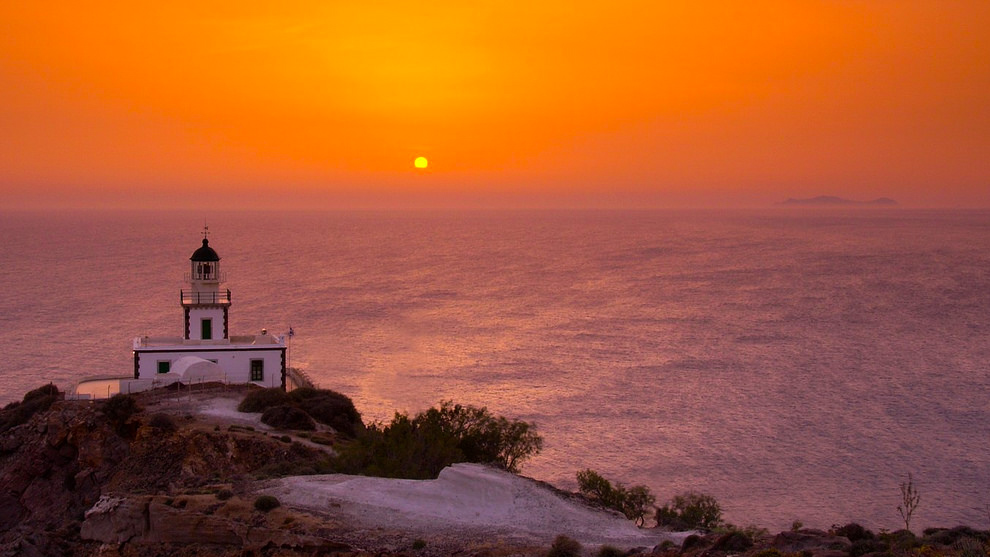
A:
(797, 365)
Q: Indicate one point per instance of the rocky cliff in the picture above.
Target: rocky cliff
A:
(74, 482)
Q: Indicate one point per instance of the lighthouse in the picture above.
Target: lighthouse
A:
(205, 305)
(206, 352)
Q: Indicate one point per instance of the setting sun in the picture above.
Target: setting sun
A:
(558, 104)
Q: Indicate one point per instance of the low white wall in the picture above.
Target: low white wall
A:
(236, 364)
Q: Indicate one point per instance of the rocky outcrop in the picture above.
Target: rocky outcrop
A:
(150, 521)
(817, 542)
(60, 466)
(51, 470)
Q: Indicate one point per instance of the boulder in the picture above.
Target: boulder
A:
(114, 520)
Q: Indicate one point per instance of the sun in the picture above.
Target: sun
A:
(420, 162)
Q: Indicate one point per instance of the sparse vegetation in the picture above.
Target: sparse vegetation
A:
(610, 551)
(418, 448)
(733, 541)
(265, 503)
(564, 547)
(970, 547)
(320, 439)
(866, 546)
(287, 417)
(44, 391)
(910, 498)
(35, 401)
(690, 511)
(320, 405)
(281, 468)
(162, 422)
(261, 399)
(634, 502)
(853, 532)
(118, 410)
(329, 408)
(224, 494)
(949, 536)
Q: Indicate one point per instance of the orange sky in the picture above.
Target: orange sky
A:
(326, 104)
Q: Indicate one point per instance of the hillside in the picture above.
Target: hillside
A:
(187, 474)
(183, 472)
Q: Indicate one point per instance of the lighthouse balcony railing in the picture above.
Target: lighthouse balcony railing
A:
(195, 297)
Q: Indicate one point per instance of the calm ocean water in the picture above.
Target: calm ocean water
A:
(796, 365)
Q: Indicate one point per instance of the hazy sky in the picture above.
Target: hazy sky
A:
(326, 104)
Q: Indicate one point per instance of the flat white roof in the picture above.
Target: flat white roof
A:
(235, 342)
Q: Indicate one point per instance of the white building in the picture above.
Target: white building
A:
(206, 352)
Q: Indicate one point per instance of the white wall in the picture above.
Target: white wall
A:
(196, 315)
(235, 363)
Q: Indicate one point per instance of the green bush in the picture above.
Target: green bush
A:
(287, 417)
(564, 547)
(634, 502)
(118, 410)
(418, 448)
(901, 539)
(322, 405)
(867, 545)
(162, 422)
(35, 401)
(693, 541)
(49, 390)
(947, 536)
(418, 544)
(330, 408)
(690, 511)
(610, 551)
(970, 547)
(261, 399)
(265, 503)
(224, 494)
(734, 541)
(480, 436)
(853, 532)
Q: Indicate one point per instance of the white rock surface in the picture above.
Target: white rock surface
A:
(467, 499)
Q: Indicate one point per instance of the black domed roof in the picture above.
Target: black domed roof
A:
(205, 253)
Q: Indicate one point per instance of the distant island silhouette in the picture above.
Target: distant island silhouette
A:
(832, 201)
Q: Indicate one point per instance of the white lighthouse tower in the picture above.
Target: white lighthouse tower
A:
(206, 351)
(205, 305)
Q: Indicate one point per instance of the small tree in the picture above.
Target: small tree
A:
(633, 502)
(637, 503)
(689, 511)
(419, 447)
(909, 501)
